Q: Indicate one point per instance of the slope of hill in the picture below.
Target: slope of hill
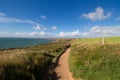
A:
(30, 63)
(91, 60)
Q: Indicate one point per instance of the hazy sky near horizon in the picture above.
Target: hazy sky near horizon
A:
(59, 18)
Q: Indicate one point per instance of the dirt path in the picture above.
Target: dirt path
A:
(62, 70)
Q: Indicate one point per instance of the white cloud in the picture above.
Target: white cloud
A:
(31, 22)
(37, 27)
(97, 15)
(8, 19)
(43, 17)
(34, 34)
(98, 31)
(20, 33)
(105, 29)
(2, 14)
(30, 34)
(70, 34)
(4, 34)
(5, 19)
(95, 31)
(42, 33)
(54, 27)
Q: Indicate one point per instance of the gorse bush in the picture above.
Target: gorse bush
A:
(91, 61)
(30, 63)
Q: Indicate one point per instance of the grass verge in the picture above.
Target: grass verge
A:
(93, 61)
(30, 63)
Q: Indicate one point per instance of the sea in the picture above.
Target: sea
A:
(6, 43)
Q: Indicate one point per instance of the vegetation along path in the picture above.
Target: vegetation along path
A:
(62, 70)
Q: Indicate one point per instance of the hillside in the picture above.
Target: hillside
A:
(91, 60)
(31, 63)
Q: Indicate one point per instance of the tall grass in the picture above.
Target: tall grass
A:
(30, 63)
(93, 61)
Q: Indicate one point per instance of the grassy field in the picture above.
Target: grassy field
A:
(108, 40)
(30, 63)
(91, 60)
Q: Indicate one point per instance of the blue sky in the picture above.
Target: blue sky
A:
(59, 18)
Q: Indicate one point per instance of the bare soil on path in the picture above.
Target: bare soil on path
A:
(62, 69)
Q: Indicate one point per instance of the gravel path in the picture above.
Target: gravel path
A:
(62, 70)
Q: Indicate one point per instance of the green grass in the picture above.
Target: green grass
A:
(89, 60)
(30, 63)
(99, 40)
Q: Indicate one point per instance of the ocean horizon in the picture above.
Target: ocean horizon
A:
(12, 42)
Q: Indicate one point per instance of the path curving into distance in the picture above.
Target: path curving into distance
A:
(62, 70)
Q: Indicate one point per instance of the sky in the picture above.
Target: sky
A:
(59, 18)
